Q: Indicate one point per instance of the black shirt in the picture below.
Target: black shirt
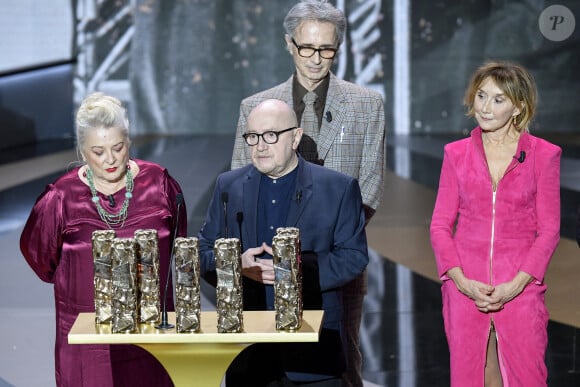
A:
(274, 200)
(298, 92)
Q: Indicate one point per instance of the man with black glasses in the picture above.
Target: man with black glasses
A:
(344, 128)
(280, 189)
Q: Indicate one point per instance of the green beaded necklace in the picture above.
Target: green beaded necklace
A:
(112, 220)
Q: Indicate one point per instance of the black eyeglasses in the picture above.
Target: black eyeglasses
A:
(269, 137)
(307, 52)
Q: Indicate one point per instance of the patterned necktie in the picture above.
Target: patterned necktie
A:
(309, 125)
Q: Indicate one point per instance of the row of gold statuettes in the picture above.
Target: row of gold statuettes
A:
(127, 286)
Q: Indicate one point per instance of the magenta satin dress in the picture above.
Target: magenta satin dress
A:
(56, 242)
(491, 240)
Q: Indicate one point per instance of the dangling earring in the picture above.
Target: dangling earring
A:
(514, 121)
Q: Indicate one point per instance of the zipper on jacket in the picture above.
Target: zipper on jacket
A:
(492, 236)
(510, 168)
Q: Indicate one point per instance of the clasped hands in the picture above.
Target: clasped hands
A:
(258, 269)
(488, 298)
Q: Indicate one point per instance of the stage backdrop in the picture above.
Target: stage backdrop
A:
(192, 62)
(184, 65)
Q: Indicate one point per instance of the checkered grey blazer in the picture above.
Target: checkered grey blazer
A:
(353, 142)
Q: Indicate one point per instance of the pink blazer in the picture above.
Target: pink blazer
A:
(491, 243)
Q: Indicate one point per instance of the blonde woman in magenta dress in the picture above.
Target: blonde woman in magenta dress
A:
(109, 190)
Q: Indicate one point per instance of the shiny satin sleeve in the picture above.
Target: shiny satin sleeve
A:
(41, 238)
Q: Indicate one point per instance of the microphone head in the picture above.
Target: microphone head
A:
(328, 116)
(298, 195)
(225, 197)
(179, 198)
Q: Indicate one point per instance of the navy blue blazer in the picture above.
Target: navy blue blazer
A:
(327, 208)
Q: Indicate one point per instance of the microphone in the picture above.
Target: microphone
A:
(225, 199)
(240, 219)
(298, 195)
(111, 200)
(522, 157)
(328, 116)
(164, 324)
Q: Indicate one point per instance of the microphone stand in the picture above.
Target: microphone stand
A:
(225, 199)
(240, 219)
(164, 324)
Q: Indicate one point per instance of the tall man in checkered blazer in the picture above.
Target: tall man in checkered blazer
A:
(348, 134)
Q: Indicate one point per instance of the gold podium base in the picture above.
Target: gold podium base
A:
(202, 365)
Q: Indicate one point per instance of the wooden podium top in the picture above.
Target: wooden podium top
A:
(259, 327)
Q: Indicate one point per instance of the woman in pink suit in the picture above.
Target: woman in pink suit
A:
(108, 191)
(495, 226)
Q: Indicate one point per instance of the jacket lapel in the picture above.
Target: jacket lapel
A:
(304, 193)
(250, 189)
(283, 92)
(330, 131)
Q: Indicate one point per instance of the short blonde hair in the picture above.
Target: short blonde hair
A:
(98, 110)
(515, 82)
